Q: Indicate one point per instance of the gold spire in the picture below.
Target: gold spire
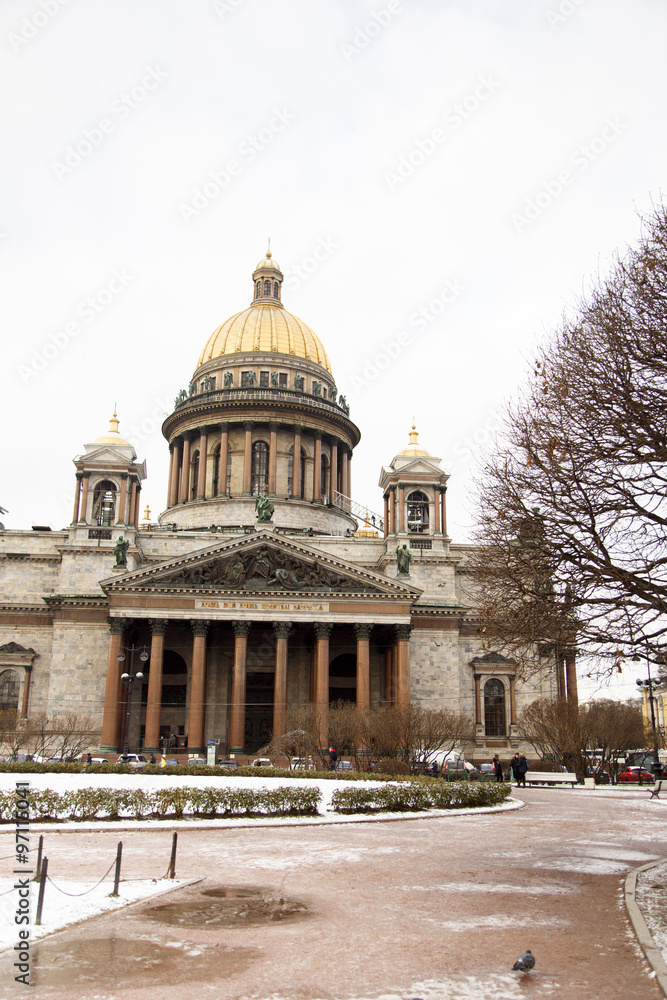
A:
(113, 423)
(414, 435)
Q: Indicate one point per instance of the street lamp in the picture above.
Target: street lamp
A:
(649, 685)
(128, 678)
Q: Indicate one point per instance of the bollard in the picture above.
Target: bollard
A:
(119, 854)
(42, 886)
(171, 871)
(38, 867)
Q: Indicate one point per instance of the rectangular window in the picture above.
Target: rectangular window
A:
(282, 380)
(264, 379)
(245, 379)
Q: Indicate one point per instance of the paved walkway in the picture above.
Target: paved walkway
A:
(433, 908)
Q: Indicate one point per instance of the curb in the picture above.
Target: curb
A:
(650, 948)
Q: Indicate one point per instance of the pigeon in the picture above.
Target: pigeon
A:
(525, 963)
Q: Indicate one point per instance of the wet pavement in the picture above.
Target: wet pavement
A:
(430, 908)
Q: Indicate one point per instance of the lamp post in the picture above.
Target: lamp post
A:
(127, 678)
(649, 685)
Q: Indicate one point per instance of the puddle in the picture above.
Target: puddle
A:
(115, 962)
(225, 906)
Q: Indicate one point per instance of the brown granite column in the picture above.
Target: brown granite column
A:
(184, 493)
(137, 505)
(322, 633)
(237, 723)
(170, 476)
(175, 474)
(122, 499)
(203, 462)
(333, 471)
(247, 459)
(297, 485)
(394, 673)
(392, 510)
(77, 498)
(437, 510)
(26, 692)
(403, 664)
(386, 515)
(83, 513)
(224, 459)
(478, 700)
(133, 502)
(344, 488)
(197, 713)
(282, 630)
(154, 696)
(273, 459)
(512, 700)
(317, 469)
(112, 693)
(443, 497)
(387, 675)
(363, 634)
(401, 507)
(571, 676)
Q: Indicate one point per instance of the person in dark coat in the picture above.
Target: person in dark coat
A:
(514, 764)
(497, 768)
(333, 757)
(521, 768)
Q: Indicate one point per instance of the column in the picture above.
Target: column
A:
(154, 696)
(444, 510)
(296, 463)
(401, 507)
(133, 503)
(559, 664)
(77, 498)
(184, 493)
(170, 476)
(83, 515)
(333, 471)
(237, 722)
(387, 675)
(282, 630)
(344, 473)
(247, 459)
(322, 632)
(197, 711)
(403, 664)
(386, 514)
(571, 676)
(203, 461)
(112, 699)
(394, 673)
(137, 505)
(349, 475)
(26, 692)
(273, 458)
(437, 506)
(392, 509)
(224, 459)
(363, 634)
(478, 700)
(122, 499)
(317, 469)
(175, 474)
(512, 702)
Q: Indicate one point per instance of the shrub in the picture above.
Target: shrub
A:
(418, 796)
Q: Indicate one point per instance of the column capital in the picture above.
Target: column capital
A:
(298, 428)
(362, 630)
(477, 677)
(241, 629)
(273, 426)
(124, 475)
(282, 629)
(158, 625)
(199, 626)
(79, 476)
(117, 626)
(402, 632)
(323, 629)
(317, 435)
(85, 475)
(248, 425)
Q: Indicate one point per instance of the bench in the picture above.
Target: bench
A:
(550, 778)
(655, 794)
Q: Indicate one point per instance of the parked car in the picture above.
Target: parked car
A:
(231, 765)
(262, 762)
(633, 774)
(302, 764)
(135, 760)
(344, 765)
(196, 762)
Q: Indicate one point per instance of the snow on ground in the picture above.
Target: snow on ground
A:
(651, 898)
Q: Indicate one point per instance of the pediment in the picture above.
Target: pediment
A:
(420, 467)
(108, 455)
(261, 563)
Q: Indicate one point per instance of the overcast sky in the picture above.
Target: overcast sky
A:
(440, 179)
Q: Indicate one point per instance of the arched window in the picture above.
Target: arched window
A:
(324, 474)
(494, 708)
(276, 290)
(104, 503)
(9, 689)
(267, 288)
(418, 511)
(290, 472)
(260, 468)
(258, 289)
(195, 475)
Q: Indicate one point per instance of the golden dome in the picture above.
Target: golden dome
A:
(267, 328)
(413, 448)
(112, 436)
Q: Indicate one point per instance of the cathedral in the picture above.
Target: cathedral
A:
(262, 585)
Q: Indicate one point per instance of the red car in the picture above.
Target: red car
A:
(633, 774)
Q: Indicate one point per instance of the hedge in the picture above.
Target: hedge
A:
(164, 803)
(417, 796)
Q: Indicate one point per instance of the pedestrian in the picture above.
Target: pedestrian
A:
(497, 767)
(333, 756)
(152, 758)
(521, 768)
(89, 758)
(434, 768)
(513, 764)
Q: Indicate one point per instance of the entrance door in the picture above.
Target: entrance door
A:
(259, 710)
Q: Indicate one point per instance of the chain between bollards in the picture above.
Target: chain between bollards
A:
(40, 849)
(42, 886)
(171, 871)
(116, 880)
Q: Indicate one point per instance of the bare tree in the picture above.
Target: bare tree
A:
(553, 728)
(610, 728)
(572, 507)
(13, 736)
